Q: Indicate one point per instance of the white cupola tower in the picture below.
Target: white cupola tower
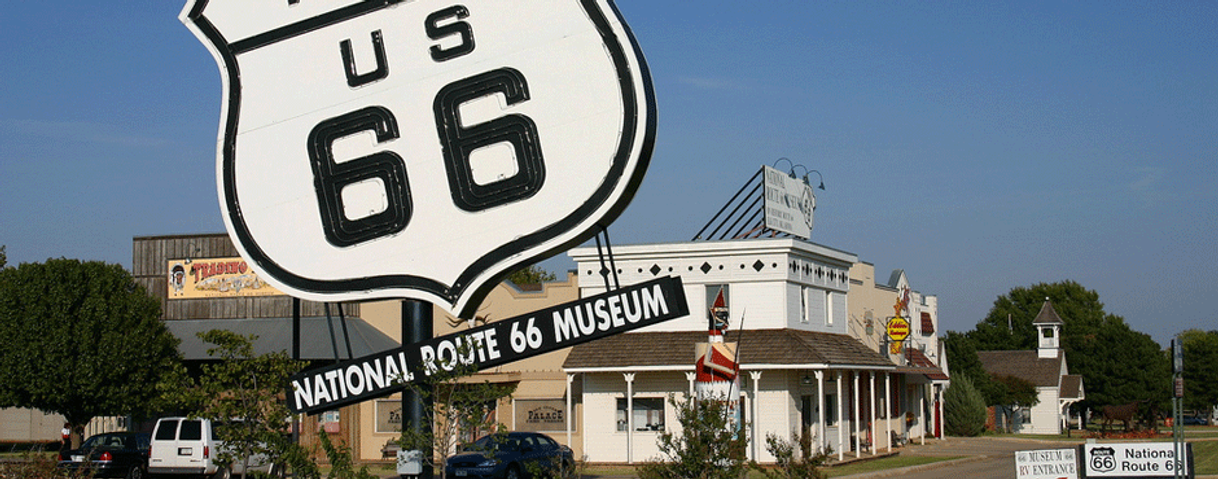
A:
(1048, 331)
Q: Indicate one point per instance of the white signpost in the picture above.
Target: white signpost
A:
(421, 149)
(1046, 464)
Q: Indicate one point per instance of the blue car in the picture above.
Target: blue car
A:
(512, 455)
(1195, 421)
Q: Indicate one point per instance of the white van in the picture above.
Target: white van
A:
(189, 447)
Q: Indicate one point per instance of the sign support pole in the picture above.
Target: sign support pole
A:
(295, 357)
(417, 327)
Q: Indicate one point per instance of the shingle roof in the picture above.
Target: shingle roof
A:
(1072, 387)
(1023, 364)
(765, 346)
(275, 334)
(1047, 315)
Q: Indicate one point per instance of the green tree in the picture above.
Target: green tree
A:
(3, 257)
(962, 359)
(1118, 365)
(708, 446)
(80, 339)
(963, 408)
(531, 275)
(247, 387)
(1200, 368)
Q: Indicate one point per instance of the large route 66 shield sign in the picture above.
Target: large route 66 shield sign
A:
(421, 149)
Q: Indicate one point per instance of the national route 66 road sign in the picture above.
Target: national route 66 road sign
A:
(417, 148)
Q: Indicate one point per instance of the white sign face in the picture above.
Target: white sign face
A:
(1046, 464)
(421, 149)
(789, 203)
(1143, 459)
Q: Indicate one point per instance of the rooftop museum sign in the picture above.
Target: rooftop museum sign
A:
(789, 203)
(421, 149)
(497, 343)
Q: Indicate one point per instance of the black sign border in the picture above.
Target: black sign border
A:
(631, 100)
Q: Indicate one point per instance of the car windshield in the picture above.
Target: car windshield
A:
(495, 442)
(104, 442)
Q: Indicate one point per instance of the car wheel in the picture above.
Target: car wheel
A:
(513, 472)
(222, 473)
(136, 472)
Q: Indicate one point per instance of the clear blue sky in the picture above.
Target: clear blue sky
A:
(977, 145)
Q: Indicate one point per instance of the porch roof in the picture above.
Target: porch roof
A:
(920, 364)
(763, 347)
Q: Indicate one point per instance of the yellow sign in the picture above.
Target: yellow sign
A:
(898, 329)
(215, 278)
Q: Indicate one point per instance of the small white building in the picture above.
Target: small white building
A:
(801, 369)
(1046, 369)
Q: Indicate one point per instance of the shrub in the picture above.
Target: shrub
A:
(963, 408)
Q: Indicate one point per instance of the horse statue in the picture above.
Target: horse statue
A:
(1124, 413)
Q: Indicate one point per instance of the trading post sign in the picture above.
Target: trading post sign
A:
(500, 342)
(421, 149)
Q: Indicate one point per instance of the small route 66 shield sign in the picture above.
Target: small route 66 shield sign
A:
(417, 148)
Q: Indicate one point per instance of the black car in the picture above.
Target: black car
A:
(113, 454)
(512, 455)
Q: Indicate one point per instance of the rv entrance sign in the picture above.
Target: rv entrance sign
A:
(421, 149)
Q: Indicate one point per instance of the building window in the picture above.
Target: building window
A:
(648, 414)
(804, 291)
(828, 308)
(831, 409)
(1048, 333)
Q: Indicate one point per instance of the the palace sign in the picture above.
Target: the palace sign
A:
(421, 149)
(501, 342)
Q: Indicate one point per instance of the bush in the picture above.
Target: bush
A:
(709, 446)
(795, 459)
(963, 408)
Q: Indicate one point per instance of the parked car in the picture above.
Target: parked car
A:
(184, 446)
(1195, 421)
(512, 455)
(113, 454)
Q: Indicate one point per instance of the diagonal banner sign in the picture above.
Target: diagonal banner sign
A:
(498, 343)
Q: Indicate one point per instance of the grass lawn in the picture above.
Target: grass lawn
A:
(1205, 457)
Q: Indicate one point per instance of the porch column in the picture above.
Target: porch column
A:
(629, 417)
(820, 410)
(939, 417)
(570, 408)
(841, 401)
(855, 407)
(875, 439)
(888, 404)
(755, 376)
(690, 377)
(922, 412)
